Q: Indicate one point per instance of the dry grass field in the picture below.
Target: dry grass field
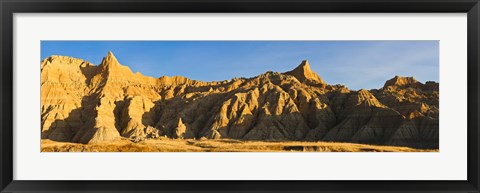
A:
(224, 145)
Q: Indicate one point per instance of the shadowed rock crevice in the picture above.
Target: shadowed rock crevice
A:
(64, 129)
(84, 103)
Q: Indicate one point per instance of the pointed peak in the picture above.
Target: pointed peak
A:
(303, 73)
(111, 66)
(110, 60)
(110, 55)
(365, 94)
(304, 64)
(366, 99)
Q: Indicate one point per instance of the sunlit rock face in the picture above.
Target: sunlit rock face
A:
(86, 103)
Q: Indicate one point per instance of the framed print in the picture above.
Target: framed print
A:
(239, 96)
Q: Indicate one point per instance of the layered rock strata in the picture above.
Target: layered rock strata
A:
(86, 103)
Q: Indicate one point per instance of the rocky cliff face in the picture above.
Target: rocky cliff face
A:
(87, 103)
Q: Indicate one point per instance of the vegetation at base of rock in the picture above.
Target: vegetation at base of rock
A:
(98, 104)
(219, 145)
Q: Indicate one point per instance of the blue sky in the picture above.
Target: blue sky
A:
(356, 64)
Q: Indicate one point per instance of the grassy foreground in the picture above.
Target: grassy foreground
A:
(224, 145)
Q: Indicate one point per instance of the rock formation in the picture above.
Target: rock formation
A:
(86, 103)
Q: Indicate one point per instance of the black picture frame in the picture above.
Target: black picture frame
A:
(9, 7)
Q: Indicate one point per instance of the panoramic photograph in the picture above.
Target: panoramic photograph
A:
(239, 96)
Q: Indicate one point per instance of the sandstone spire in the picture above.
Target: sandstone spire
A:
(114, 69)
(304, 74)
(182, 130)
(109, 61)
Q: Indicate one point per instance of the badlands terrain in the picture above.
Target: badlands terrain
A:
(87, 107)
